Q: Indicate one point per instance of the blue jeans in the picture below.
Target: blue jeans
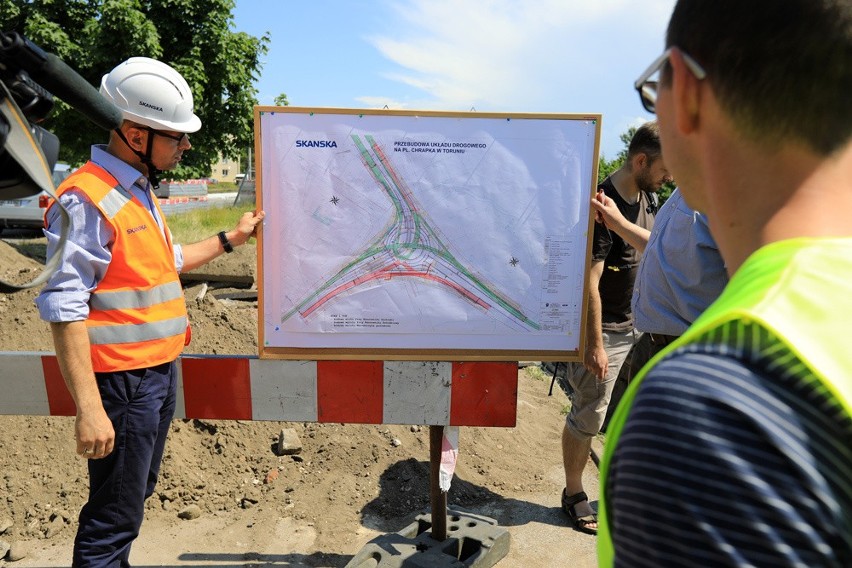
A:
(141, 405)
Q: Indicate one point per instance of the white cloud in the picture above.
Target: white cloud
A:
(382, 102)
(523, 56)
(507, 53)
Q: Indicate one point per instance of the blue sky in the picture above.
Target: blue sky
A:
(555, 56)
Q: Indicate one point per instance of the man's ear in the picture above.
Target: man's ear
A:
(135, 136)
(686, 93)
(638, 161)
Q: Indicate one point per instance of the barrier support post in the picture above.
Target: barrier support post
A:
(437, 497)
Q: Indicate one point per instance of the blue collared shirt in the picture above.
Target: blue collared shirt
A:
(681, 272)
(88, 250)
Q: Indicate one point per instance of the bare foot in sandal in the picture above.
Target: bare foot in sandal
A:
(579, 510)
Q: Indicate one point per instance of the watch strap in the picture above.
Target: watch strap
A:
(226, 244)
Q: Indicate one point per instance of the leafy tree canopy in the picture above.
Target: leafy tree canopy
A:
(607, 167)
(282, 100)
(193, 36)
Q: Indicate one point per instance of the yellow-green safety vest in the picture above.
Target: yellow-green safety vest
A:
(800, 292)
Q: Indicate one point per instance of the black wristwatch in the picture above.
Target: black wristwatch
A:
(226, 244)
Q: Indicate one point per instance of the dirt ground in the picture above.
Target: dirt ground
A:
(349, 484)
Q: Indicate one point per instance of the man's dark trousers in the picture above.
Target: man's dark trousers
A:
(141, 405)
(642, 351)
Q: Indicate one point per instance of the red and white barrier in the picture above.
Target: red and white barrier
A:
(248, 388)
(178, 200)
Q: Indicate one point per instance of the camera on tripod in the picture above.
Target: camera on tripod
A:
(29, 79)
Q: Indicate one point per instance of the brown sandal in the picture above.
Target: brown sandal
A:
(569, 504)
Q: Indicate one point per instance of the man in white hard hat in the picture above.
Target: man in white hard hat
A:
(115, 303)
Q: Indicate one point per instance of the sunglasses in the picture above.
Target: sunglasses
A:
(179, 138)
(648, 89)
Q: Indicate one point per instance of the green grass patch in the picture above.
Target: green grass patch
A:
(222, 187)
(537, 373)
(197, 224)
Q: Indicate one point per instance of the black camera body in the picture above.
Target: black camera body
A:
(29, 79)
(35, 104)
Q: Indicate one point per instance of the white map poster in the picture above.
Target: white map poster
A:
(399, 233)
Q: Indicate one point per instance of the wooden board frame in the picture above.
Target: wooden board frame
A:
(419, 354)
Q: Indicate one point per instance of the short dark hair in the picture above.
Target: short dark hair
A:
(781, 70)
(646, 140)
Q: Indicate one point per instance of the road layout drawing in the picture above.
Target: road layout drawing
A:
(411, 232)
(408, 248)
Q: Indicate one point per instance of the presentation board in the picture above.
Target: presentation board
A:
(402, 235)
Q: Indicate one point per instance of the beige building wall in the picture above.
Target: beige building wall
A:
(225, 169)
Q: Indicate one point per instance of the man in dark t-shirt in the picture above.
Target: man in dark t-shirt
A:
(610, 331)
(620, 258)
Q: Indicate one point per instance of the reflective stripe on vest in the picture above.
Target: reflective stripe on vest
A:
(800, 291)
(108, 334)
(137, 313)
(112, 203)
(122, 299)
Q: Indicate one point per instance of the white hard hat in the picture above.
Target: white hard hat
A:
(151, 93)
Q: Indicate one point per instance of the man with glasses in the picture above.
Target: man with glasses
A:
(610, 333)
(115, 303)
(733, 448)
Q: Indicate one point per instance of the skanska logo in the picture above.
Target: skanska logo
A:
(316, 144)
(150, 106)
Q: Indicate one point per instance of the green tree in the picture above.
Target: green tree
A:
(606, 167)
(193, 36)
(281, 100)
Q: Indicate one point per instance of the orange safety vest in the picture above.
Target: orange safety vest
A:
(137, 313)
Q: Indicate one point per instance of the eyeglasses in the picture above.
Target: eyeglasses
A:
(180, 138)
(648, 89)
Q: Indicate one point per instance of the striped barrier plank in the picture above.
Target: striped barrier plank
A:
(182, 199)
(248, 388)
(172, 205)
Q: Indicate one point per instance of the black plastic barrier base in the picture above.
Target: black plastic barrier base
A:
(472, 540)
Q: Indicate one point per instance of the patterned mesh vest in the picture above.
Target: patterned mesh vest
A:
(800, 292)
